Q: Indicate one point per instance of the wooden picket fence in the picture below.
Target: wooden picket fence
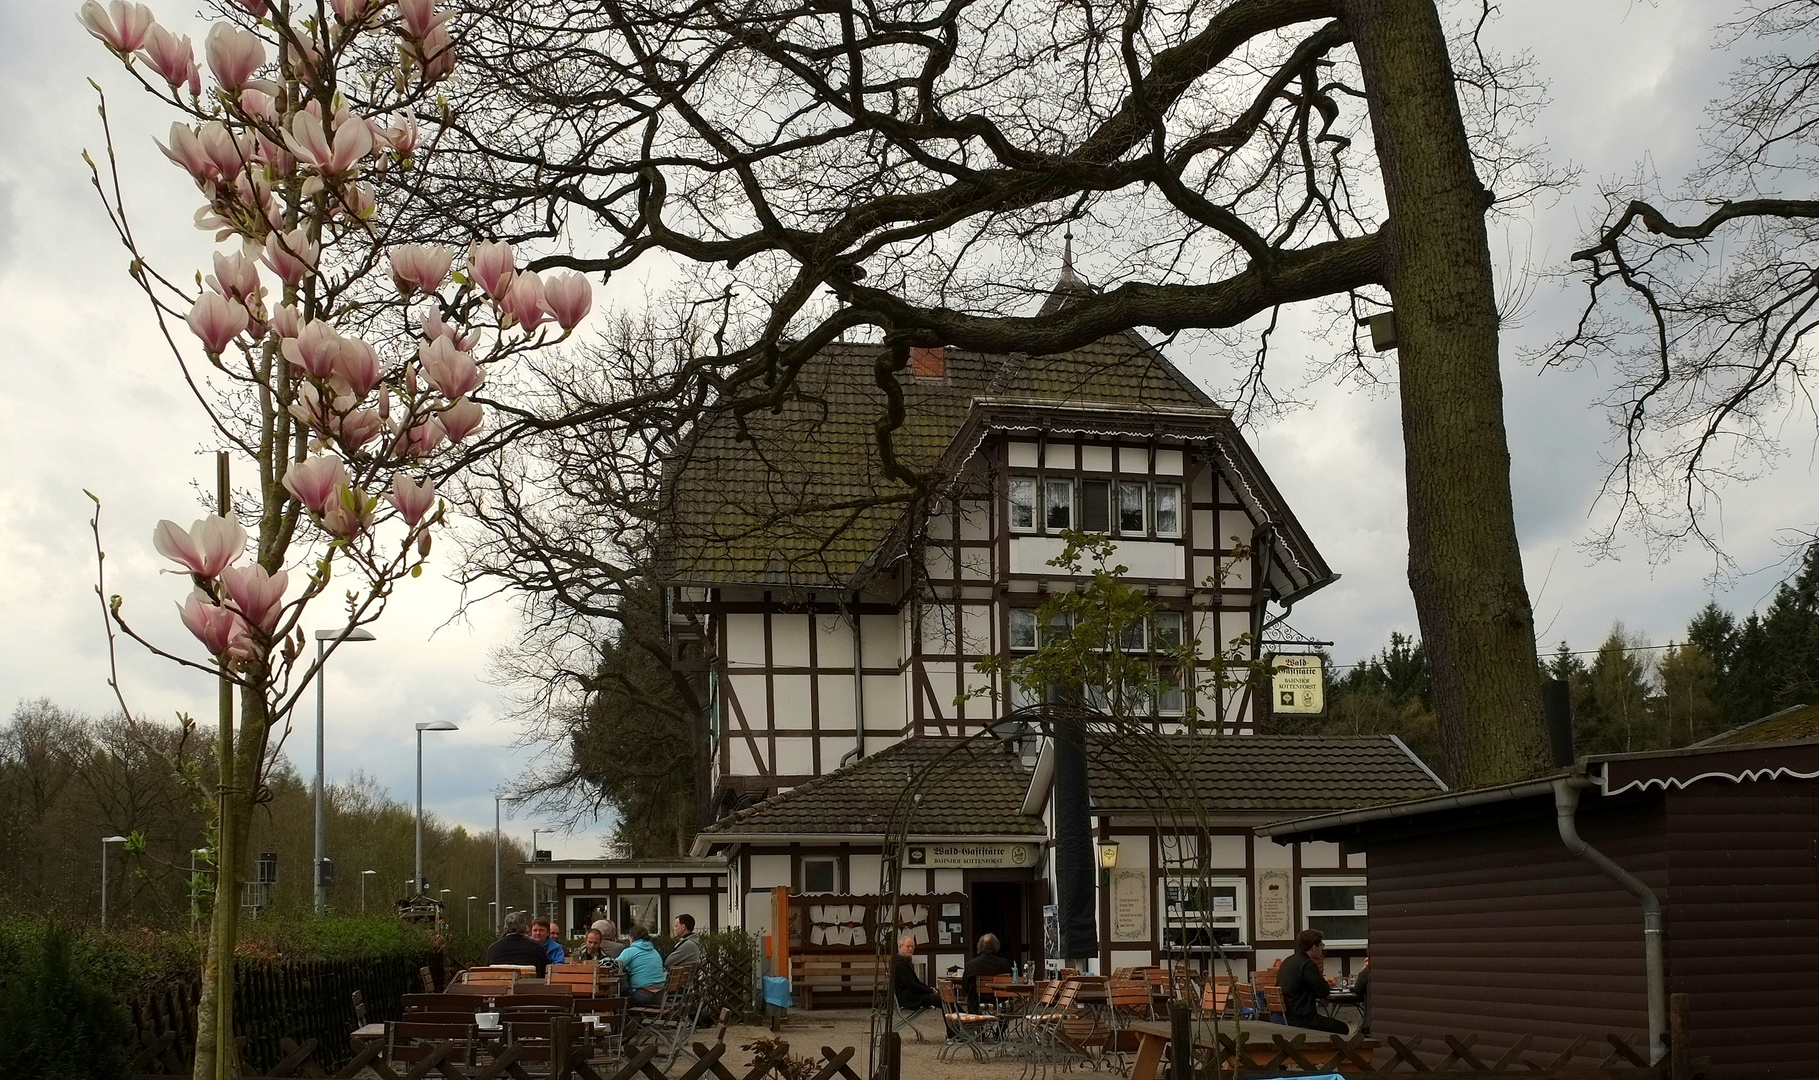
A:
(1615, 1058)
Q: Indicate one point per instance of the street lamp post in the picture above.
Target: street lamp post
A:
(364, 874)
(430, 725)
(323, 637)
(470, 914)
(105, 841)
(498, 898)
(444, 908)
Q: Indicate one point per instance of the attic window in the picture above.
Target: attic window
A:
(817, 875)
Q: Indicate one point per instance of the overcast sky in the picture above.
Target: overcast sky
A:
(90, 400)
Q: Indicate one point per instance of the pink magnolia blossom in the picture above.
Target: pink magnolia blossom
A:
(568, 296)
(217, 321)
(291, 256)
(315, 480)
(121, 26)
(259, 105)
(356, 367)
(312, 410)
(222, 632)
(385, 404)
(311, 144)
(186, 150)
(258, 595)
(420, 267)
(434, 327)
(411, 499)
(348, 10)
(448, 369)
(438, 54)
(233, 54)
(491, 267)
(228, 153)
(315, 349)
(206, 549)
(287, 321)
(418, 18)
(256, 8)
(349, 513)
(173, 58)
(402, 136)
(359, 200)
(525, 300)
(237, 278)
(358, 428)
(421, 438)
(461, 419)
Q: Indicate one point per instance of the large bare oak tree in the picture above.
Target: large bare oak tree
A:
(809, 169)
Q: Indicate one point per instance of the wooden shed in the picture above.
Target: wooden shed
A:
(1484, 919)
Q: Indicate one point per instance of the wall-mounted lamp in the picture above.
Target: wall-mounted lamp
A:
(1108, 854)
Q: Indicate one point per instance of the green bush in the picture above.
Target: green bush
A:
(57, 1022)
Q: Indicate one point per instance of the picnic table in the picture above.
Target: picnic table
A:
(1257, 1042)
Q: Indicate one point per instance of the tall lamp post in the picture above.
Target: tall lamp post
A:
(444, 906)
(364, 874)
(322, 638)
(498, 897)
(429, 725)
(106, 841)
(470, 914)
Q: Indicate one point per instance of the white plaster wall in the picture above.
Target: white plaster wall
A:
(883, 701)
(1319, 856)
(1268, 853)
(701, 907)
(1206, 530)
(750, 691)
(1096, 459)
(975, 519)
(789, 640)
(864, 870)
(1022, 455)
(976, 564)
(939, 561)
(795, 755)
(836, 700)
(743, 640)
(1234, 523)
(739, 757)
(1133, 851)
(950, 881)
(1168, 463)
(883, 638)
(1226, 852)
(1356, 859)
(1133, 459)
(768, 872)
(794, 706)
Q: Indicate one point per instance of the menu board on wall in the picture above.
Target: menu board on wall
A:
(1275, 909)
(1130, 905)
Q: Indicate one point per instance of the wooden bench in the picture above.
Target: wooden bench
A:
(848, 977)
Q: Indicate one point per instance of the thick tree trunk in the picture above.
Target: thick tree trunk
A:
(1465, 566)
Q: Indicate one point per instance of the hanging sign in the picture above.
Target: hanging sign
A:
(1130, 905)
(968, 856)
(1299, 684)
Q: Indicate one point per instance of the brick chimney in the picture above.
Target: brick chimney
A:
(928, 362)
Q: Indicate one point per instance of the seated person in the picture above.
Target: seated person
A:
(516, 947)
(610, 945)
(987, 962)
(597, 949)
(553, 951)
(911, 991)
(687, 949)
(644, 976)
(1302, 979)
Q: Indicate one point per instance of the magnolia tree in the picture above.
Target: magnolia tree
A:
(344, 366)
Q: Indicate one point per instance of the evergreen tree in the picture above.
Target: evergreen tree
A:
(1791, 634)
(1690, 704)
(1615, 714)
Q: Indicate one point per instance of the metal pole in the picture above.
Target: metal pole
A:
(496, 895)
(533, 877)
(363, 877)
(470, 914)
(417, 885)
(104, 845)
(321, 830)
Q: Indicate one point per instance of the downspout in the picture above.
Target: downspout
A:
(858, 750)
(1566, 805)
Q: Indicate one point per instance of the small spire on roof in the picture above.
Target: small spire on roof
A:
(1067, 255)
(1069, 285)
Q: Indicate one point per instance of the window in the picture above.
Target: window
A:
(1168, 510)
(1023, 504)
(642, 910)
(1058, 504)
(1166, 632)
(1130, 639)
(817, 875)
(1023, 628)
(1337, 907)
(1171, 701)
(1198, 912)
(1130, 509)
(1060, 624)
(1095, 506)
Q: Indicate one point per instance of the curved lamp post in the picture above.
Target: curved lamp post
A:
(323, 637)
(431, 725)
(364, 874)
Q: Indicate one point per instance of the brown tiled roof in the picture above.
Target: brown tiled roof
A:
(1266, 774)
(1794, 722)
(967, 788)
(800, 498)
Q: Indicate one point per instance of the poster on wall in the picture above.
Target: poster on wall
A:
(1275, 911)
(1130, 905)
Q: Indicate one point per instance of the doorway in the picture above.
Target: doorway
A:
(1001, 908)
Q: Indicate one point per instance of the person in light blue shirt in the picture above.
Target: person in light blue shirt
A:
(540, 933)
(643, 967)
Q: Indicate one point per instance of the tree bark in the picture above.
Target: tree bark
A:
(1465, 565)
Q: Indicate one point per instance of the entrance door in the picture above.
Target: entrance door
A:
(1001, 907)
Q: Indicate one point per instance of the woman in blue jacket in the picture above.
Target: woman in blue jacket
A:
(643, 967)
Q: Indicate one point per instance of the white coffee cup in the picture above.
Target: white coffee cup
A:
(487, 1019)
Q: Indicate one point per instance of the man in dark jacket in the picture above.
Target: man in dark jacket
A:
(1302, 980)
(516, 947)
(988, 962)
(911, 991)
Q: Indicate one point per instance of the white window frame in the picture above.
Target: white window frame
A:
(1309, 913)
(1238, 919)
(1035, 504)
(1051, 483)
(1178, 707)
(1155, 504)
(833, 874)
(1155, 630)
(1142, 529)
(1018, 615)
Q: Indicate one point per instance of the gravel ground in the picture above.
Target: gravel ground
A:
(808, 1032)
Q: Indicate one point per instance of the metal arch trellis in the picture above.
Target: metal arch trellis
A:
(1137, 755)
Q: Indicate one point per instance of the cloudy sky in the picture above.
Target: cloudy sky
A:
(90, 401)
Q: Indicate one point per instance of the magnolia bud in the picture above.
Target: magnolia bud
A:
(423, 544)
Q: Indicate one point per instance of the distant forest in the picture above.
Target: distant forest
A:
(1627, 695)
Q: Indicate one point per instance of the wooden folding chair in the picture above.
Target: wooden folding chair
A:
(409, 1040)
(964, 1027)
(582, 980)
